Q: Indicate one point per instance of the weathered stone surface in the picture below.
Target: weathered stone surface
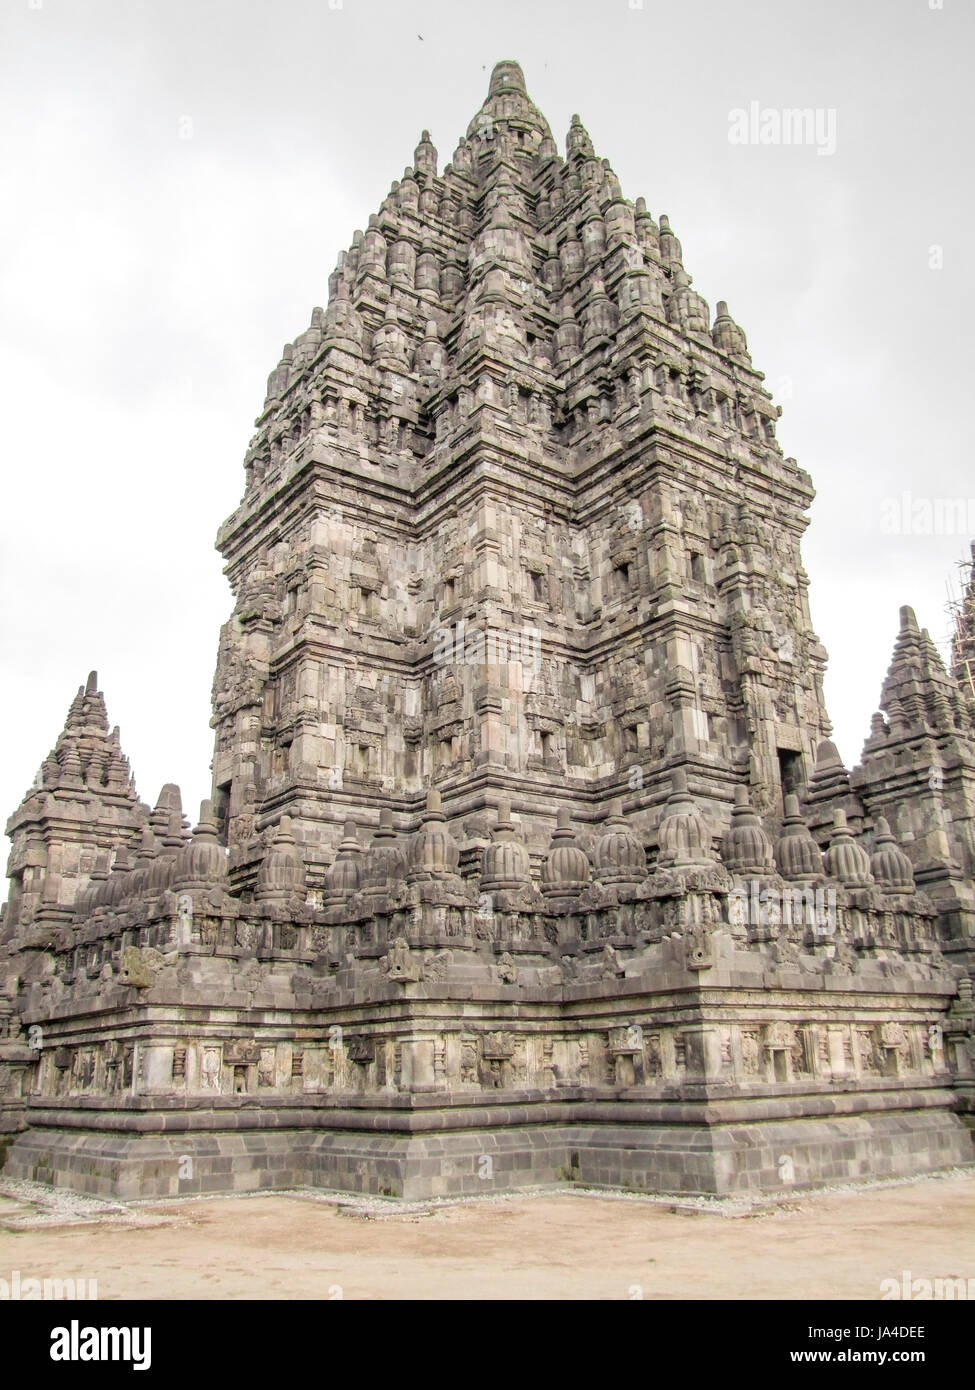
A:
(528, 858)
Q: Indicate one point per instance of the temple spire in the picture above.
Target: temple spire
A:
(514, 312)
(507, 77)
(82, 804)
(918, 694)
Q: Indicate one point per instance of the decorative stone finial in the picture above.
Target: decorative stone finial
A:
(889, 864)
(577, 142)
(384, 864)
(507, 76)
(505, 863)
(746, 849)
(434, 852)
(566, 869)
(282, 870)
(846, 859)
(830, 780)
(684, 837)
(425, 156)
(618, 855)
(204, 860)
(725, 334)
(797, 854)
(343, 876)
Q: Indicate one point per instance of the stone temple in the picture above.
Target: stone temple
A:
(528, 858)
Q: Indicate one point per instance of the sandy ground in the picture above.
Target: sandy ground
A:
(840, 1244)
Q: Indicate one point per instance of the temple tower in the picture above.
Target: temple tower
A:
(82, 807)
(515, 523)
(527, 835)
(918, 771)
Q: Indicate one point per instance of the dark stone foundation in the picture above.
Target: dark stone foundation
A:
(723, 1159)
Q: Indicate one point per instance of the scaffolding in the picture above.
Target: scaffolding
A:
(961, 615)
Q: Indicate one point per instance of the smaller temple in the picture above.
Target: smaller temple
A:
(81, 810)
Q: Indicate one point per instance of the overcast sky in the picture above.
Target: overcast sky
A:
(178, 177)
